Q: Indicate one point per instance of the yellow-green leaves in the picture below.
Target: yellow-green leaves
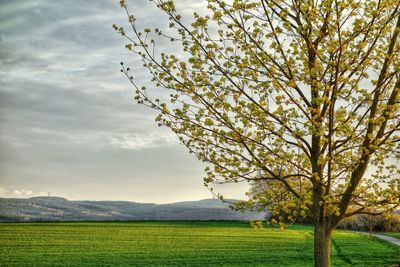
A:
(167, 6)
(208, 122)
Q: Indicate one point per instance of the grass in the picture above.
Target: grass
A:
(179, 244)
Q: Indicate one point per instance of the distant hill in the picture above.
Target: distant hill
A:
(61, 209)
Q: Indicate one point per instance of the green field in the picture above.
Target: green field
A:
(179, 244)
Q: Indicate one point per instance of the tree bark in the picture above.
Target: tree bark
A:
(370, 226)
(322, 246)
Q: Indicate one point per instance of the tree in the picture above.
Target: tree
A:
(308, 87)
(370, 221)
(391, 221)
(271, 195)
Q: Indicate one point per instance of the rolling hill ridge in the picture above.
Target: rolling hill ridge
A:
(61, 209)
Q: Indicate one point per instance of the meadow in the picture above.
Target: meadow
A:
(180, 244)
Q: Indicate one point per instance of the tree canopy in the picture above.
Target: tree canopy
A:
(302, 93)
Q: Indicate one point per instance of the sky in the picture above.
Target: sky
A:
(69, 124)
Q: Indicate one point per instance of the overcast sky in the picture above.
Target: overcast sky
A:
(69, 124)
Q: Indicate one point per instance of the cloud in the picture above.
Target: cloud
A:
(22, 192)
(68, 122)
(138, 142)
(11, 193)
(3, 191)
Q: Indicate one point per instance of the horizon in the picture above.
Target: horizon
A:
(108, 200)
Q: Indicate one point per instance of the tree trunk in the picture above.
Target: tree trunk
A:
(322, 246)
(370, 227)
